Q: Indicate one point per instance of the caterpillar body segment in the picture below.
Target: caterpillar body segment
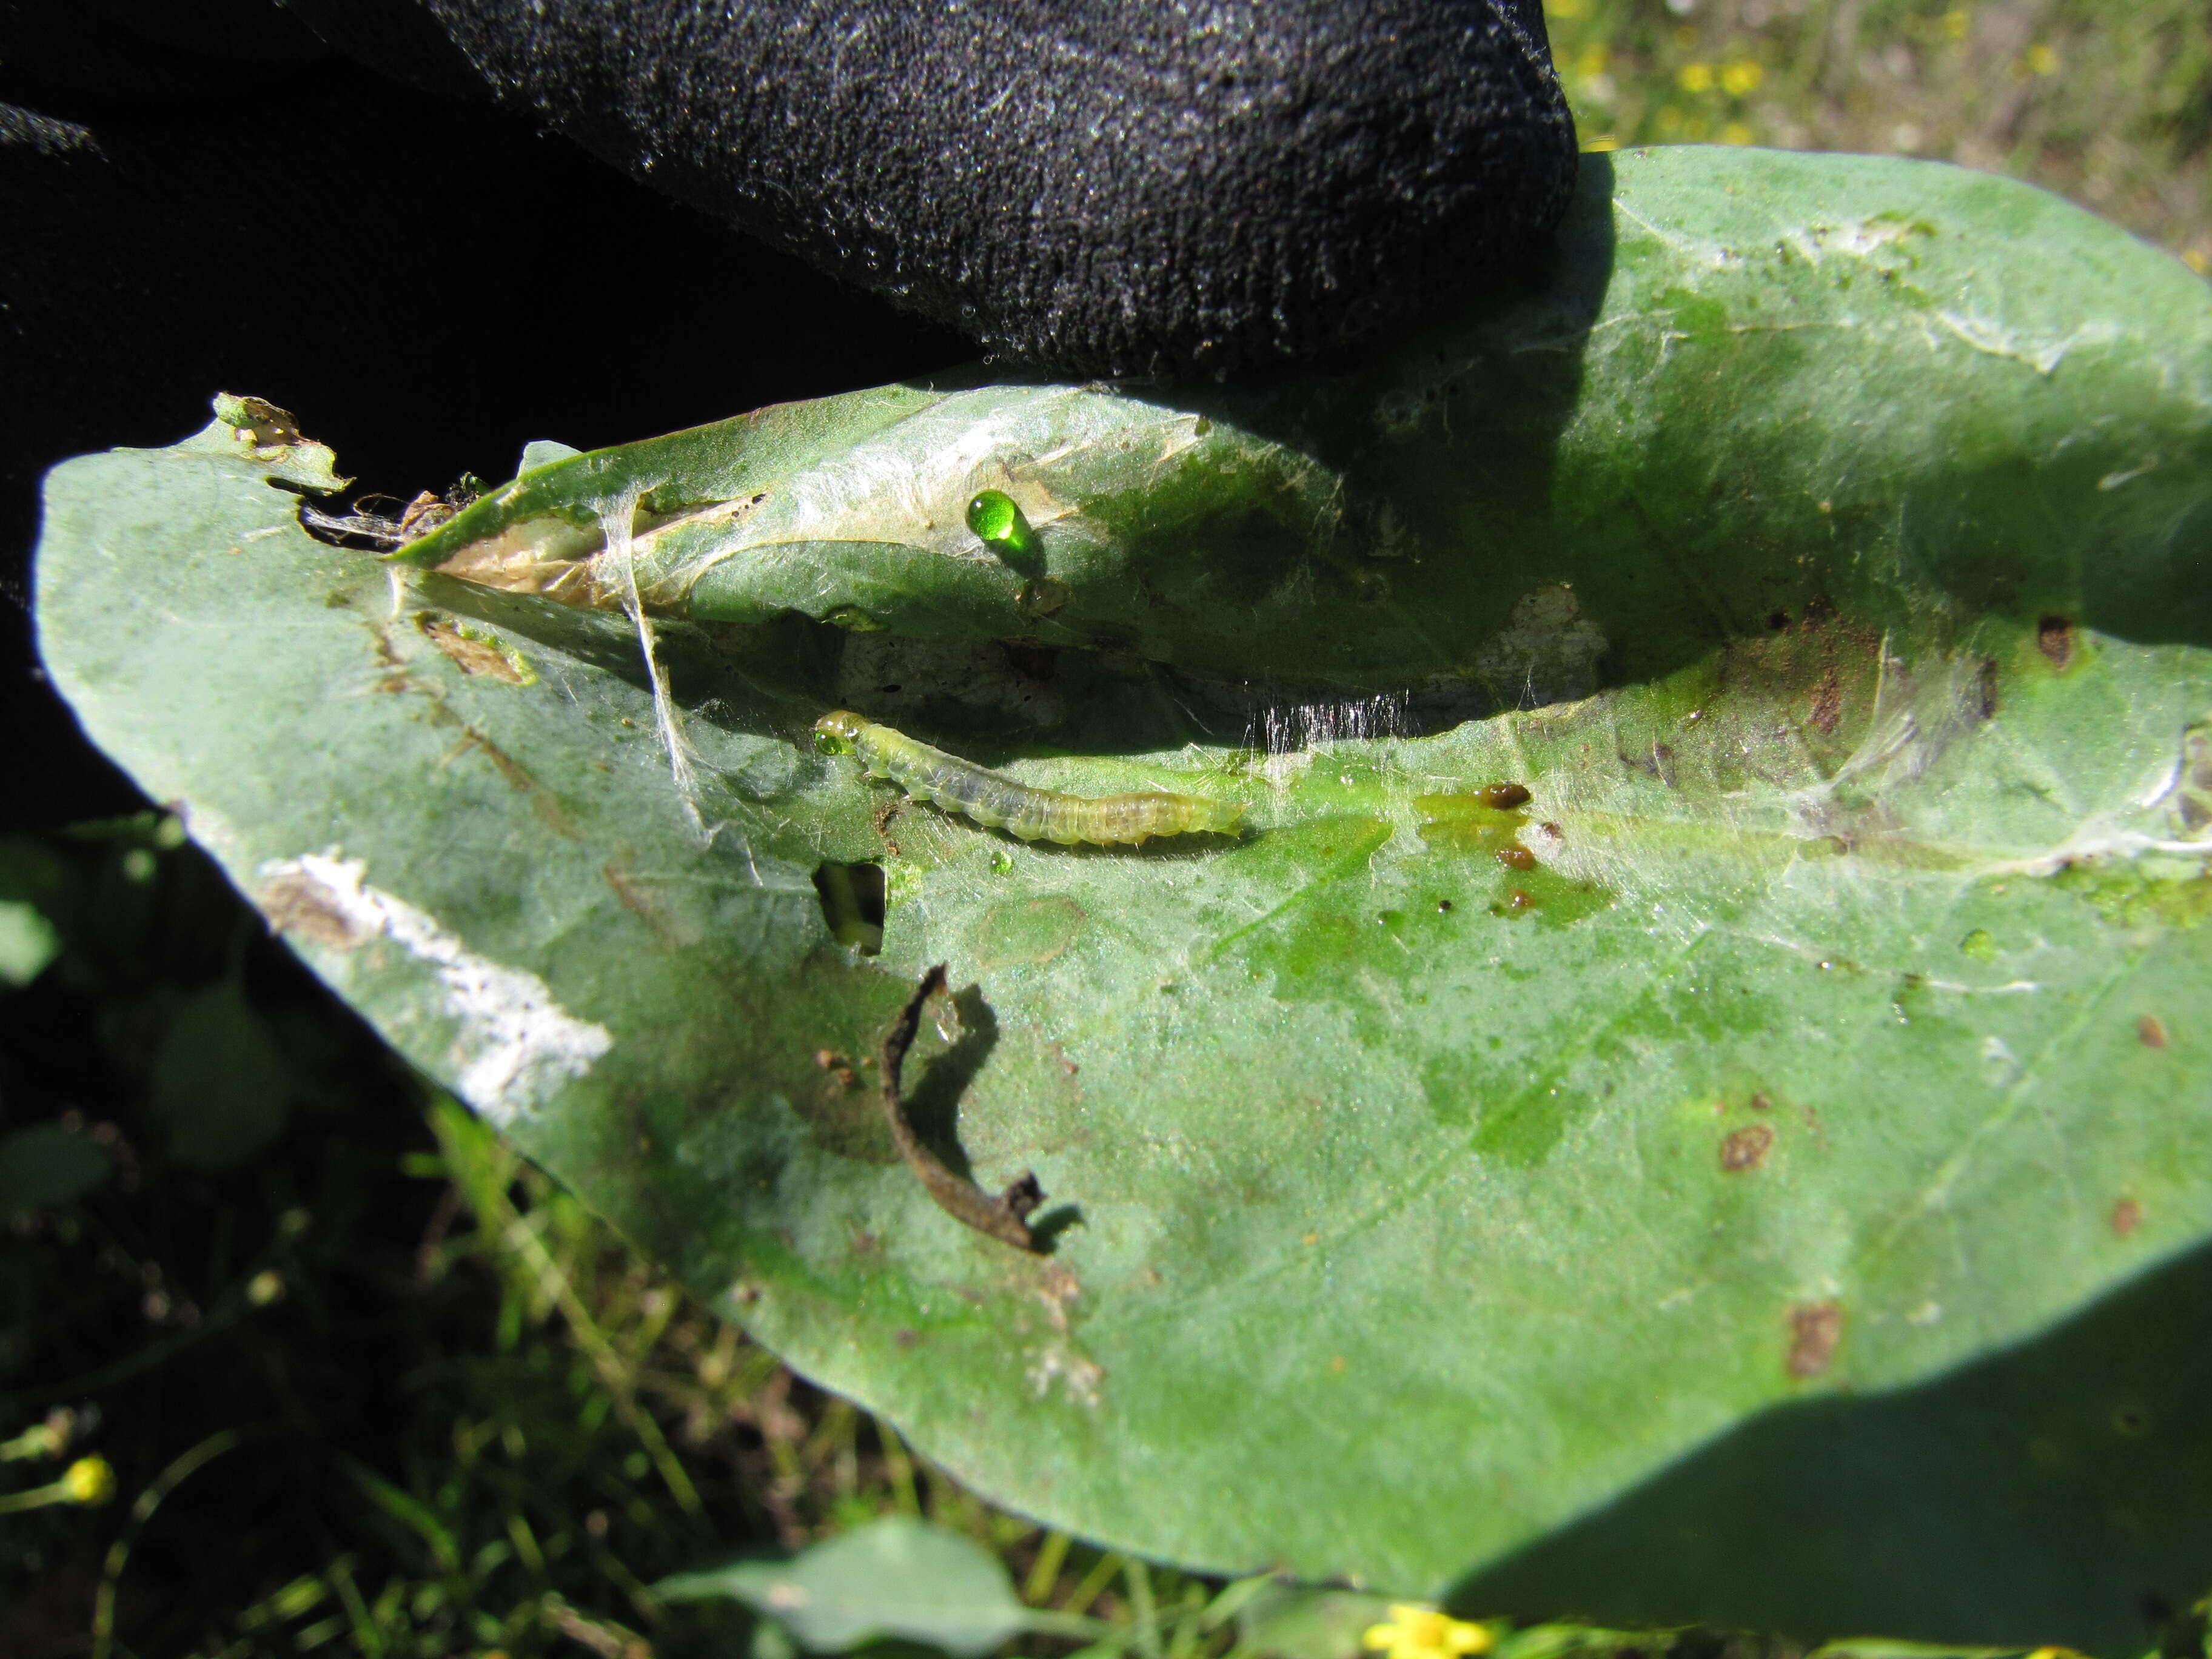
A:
(1000, 803)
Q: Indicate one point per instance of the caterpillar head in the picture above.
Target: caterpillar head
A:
(836, 732)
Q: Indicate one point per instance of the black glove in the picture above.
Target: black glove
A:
(1101, 186)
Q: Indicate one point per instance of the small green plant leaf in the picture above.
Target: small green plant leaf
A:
(32, 884)
(45, 1166)
(27, 943)
(896, 1577)
(409, 1511)
(1684, 1103)
(219, 1087)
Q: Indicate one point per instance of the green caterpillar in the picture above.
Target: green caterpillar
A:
(1000, 803)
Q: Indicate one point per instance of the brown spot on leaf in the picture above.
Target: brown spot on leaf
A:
(386, 653)
(1503, 797)
(838, 1066)
(542, 801)
(1827, 710)
(1815, 1328)
(472, 655)
(843, 1115)
(1985, 683)
(1514, 856)
(2126, 1216)
(516, 774)
(1658, 763)
(297, 903)
(637, 897)
(1760, 1103)
(884, 814)
(1746, 1148)
(2054, 637)
(2150, 1030)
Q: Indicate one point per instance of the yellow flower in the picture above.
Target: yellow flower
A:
(2198, 261)
(2043, 60)
(1956, 22)
(1593, 60)
(1741, 77)
(1602, 146)
(1736, 132)
(89, 1480)
(1565, 8)
(1695, 77)
(1413, 1632)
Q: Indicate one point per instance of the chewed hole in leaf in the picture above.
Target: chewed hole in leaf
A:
(852, 897)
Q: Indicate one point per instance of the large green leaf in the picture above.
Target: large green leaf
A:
(1785, 1202)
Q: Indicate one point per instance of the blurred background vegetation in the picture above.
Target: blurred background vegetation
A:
(2107, 101)
(296, 1357)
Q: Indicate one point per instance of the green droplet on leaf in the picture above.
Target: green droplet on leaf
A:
(997, 520)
